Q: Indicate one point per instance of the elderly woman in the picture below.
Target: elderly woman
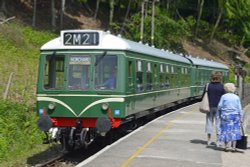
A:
(230, 111)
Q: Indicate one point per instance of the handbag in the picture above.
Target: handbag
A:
(204, 104)
(242, 143)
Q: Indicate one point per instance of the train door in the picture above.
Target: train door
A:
(155, 80)
(161, 77)
(149, 77)
(173, 76)
(131, 76)
(139, 76)
(156, 77)
(167, 77)
(193, 81)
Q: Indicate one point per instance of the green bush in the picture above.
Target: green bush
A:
(18, 132)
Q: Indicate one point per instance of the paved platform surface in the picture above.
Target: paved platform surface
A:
(173, 140)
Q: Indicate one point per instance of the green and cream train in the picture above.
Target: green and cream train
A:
(90, 82)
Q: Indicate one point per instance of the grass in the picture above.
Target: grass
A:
(19, 54)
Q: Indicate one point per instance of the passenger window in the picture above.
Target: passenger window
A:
(167, 69)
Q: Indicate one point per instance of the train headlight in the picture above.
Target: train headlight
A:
(51, 106)
(105, 106)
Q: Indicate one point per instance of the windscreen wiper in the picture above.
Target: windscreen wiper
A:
(99, 59)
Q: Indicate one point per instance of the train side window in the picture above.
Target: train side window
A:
(167, 69)
(161, 68)
(172, 70)
(54, 72)
(139, 76)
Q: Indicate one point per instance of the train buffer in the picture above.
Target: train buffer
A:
(175, 139)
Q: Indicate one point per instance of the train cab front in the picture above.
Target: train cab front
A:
(79, 95)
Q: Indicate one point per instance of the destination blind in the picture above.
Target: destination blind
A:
(80, 38)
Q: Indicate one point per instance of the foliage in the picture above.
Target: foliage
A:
(238, 19)
(231, 75)
(19, 53)
(169, 37)
(36, 38)
(174, 22)
(18, 132)
(20, 44)
(247, 67)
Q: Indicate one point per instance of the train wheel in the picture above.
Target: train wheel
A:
(59, 146)
(63, 145)
(68, 146)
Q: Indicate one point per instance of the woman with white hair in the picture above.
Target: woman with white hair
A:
(231, 114)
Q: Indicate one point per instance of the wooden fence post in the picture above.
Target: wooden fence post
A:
(5, 95)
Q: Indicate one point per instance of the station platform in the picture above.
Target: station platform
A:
(176, 139)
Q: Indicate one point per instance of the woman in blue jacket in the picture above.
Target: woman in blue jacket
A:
(231, 116)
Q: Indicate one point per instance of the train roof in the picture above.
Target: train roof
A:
(100, 40)
(207, 63)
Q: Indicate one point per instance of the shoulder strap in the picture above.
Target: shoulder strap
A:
(207, 87)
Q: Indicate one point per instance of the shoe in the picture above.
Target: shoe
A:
(218, 144)
(226, 149)
(209, 142)
(234, 150)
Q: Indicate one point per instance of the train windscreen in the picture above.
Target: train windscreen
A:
(105, 72)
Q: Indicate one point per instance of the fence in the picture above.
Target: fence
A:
(15, 91)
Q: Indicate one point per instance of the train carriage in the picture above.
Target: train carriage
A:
(92, 81)
(202, 70)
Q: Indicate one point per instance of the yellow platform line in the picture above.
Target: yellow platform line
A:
(168, 126)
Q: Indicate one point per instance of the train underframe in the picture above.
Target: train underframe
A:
(75, 134)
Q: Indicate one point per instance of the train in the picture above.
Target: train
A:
(91, 82)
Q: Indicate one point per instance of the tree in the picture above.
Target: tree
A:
(200, 8)
(96, 8)
(221, 5)
(126, 16)
(3, 9)
(111, 11)
(62, 13)
(34, 14)
(53, 15)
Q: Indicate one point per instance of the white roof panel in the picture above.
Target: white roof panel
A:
(108, 41)
(207, 63)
